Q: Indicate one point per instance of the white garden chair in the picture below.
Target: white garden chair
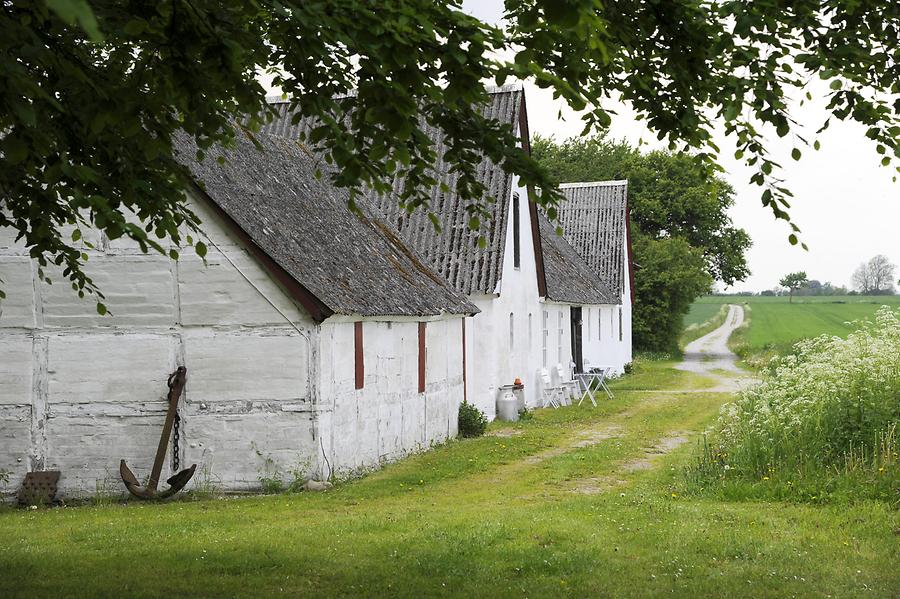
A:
(550, 394)
(568, 385)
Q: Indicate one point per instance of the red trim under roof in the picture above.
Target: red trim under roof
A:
(525, 138)
(628, 246)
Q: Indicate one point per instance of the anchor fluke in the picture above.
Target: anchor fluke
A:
(176, 483)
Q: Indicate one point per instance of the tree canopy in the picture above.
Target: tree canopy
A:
(670, 194)
(92, 92)
(875, 277)
(793, 281)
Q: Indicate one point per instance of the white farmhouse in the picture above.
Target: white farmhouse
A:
(314, 340)
(595, 221)
(526, 322)
(575, 293)
(504, 278)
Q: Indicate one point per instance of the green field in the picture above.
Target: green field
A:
(776, 324)
(581, 502)
(702, 310)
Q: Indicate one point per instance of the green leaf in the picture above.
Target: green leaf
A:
(793, 239)
(101, 308)
(77, 11)
(200, 248)
(731, 111)
(795, 154)
(603, 119)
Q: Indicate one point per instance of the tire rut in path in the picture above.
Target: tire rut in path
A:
(620, 470)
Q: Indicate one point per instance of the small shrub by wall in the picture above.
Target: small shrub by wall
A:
(472, 422)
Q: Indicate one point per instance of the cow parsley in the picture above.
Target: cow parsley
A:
(831, 407)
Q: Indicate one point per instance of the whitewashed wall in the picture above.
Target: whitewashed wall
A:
(492, 360)
(388, 418)
(558, 334)
(79, 391)
(601, 344)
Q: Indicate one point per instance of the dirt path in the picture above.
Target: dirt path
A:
(709, 356)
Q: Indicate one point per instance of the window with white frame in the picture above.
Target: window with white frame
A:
(620, 323)
(546, 334)
(559, 337)
(512, 331)
(587, 318)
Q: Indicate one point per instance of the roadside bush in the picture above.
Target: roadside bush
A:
(472, 422)
(830, 409)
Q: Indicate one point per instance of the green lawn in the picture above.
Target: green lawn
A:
(576, 501)
(776, 324)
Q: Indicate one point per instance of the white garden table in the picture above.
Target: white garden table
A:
(595, 377)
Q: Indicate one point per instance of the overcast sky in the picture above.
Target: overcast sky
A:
(845, 203)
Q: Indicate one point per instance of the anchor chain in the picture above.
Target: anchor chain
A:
(176, 437)
(176, 429)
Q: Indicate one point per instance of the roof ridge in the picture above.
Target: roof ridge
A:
(517, 86)
(614, 183)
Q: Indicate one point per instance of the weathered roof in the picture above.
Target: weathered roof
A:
(454, 252)
(594, 218)
(569, 278)
(353, 264)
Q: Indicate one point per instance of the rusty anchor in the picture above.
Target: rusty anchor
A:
(178, 481)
